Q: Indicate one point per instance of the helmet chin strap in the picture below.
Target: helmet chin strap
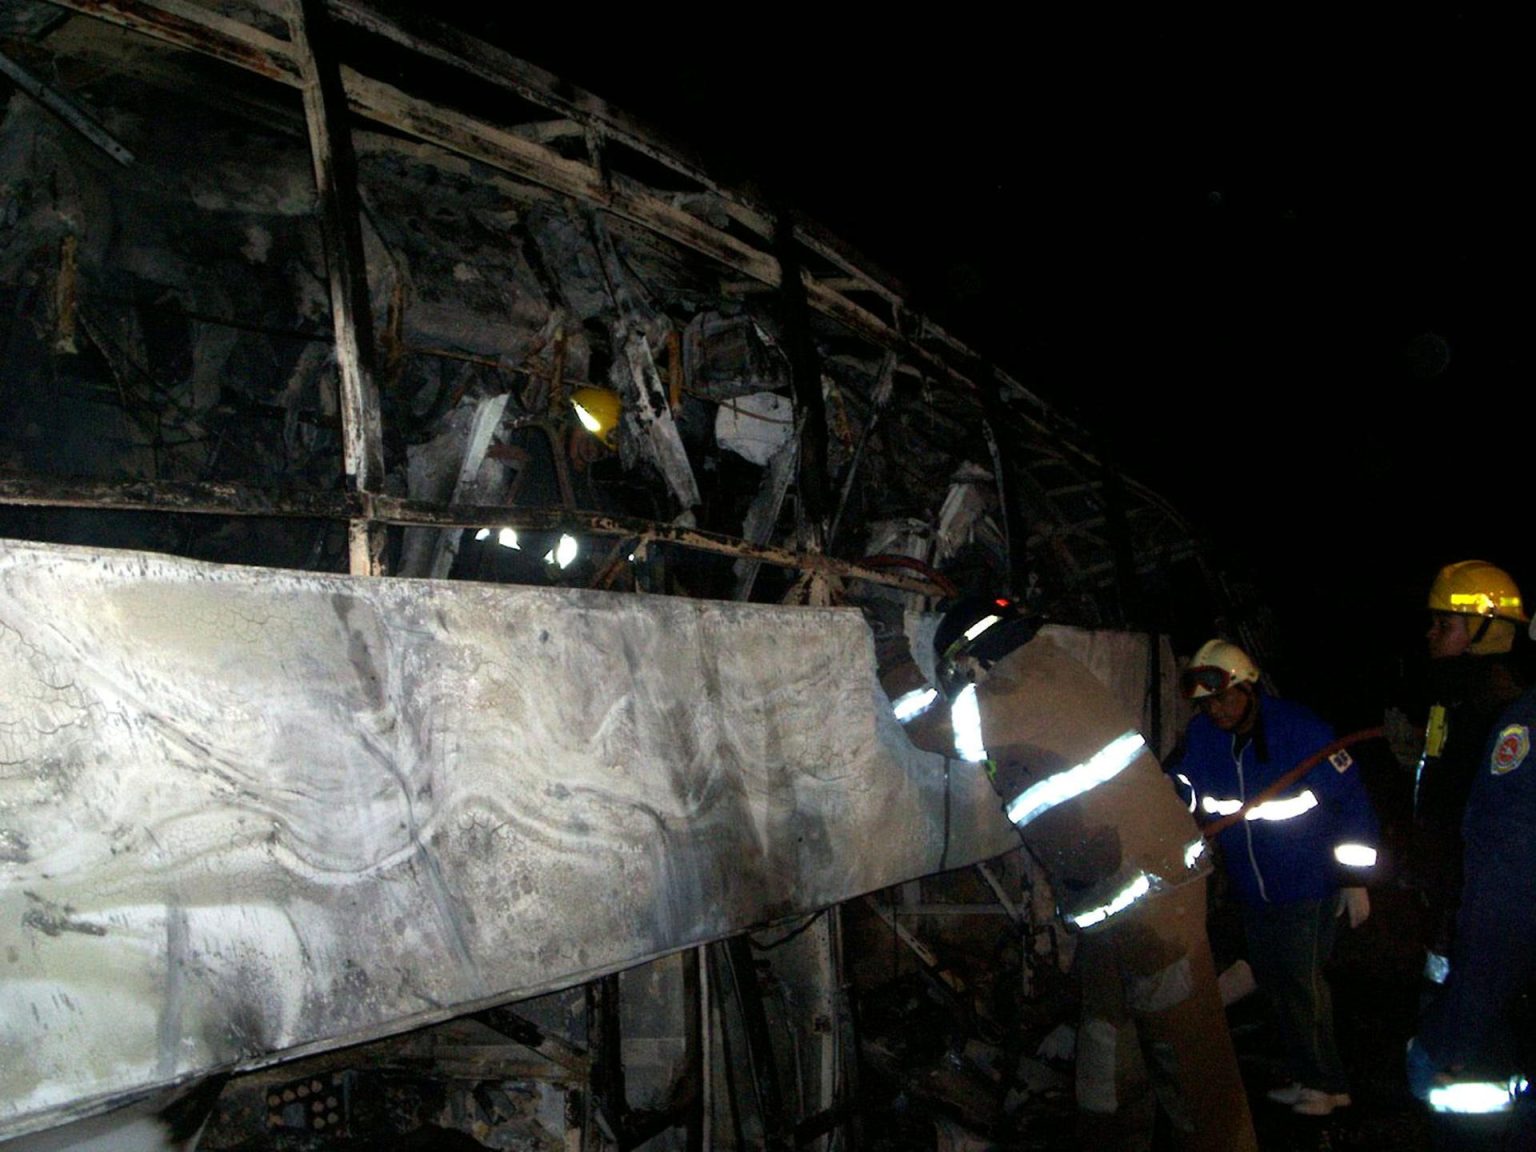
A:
(1250, 715)
(1484, 622)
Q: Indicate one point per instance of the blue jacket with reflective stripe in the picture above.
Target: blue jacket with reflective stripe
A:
(1284, 851)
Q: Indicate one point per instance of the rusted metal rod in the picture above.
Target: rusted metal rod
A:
(220, 499)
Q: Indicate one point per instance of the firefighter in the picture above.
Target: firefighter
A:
(1473, 1057)
(1475, 612)
(1298, 845)
(1469, 1059)
(1126, 863)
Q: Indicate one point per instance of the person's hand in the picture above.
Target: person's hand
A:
(1404, 737)
(1061, 1044)
(1356, 904)
(887, 623)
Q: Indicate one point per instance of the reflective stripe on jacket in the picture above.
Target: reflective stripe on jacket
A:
(1285, 850)
(1089, 799)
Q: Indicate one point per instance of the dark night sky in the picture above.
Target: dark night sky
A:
(1283, 256)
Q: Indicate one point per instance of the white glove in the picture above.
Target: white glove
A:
(1235, 983)
(1404, 738)
(1356, 902)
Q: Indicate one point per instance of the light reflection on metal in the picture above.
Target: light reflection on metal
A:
(965, 716)
(563, 553)
(506, 537)
(1105, 764)
(910, 705)
(1437, 968)
(1127, 896)
(1355, 855)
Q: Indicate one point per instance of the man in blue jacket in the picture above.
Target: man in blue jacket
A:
(1298, 845)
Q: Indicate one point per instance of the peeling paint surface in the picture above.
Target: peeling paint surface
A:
(247, 812)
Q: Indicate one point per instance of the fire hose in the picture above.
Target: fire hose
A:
(1285, 781)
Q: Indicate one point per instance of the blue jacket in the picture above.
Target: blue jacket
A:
(1500, 823)
(1286, 849)
(1494, 957)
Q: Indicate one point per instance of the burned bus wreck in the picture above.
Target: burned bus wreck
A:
(435, 515)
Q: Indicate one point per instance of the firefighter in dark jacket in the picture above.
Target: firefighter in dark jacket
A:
(1126, 862)
(1471, 1060)
(1297, 852)
(1475, 611)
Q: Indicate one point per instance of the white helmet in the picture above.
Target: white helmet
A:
(1215, 668)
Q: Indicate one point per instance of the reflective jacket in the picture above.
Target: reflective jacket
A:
(1089, 799)
(1318, 834)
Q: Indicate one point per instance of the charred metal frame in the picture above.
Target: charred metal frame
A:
(330, 142)
(864, 300)
(215, 499)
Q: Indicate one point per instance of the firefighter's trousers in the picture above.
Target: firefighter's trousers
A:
(1154, 1030)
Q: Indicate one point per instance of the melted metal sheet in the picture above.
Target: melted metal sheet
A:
(248, 813)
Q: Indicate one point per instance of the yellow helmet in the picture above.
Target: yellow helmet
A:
(598, 409)
(1216, 667)
(1476, 588)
